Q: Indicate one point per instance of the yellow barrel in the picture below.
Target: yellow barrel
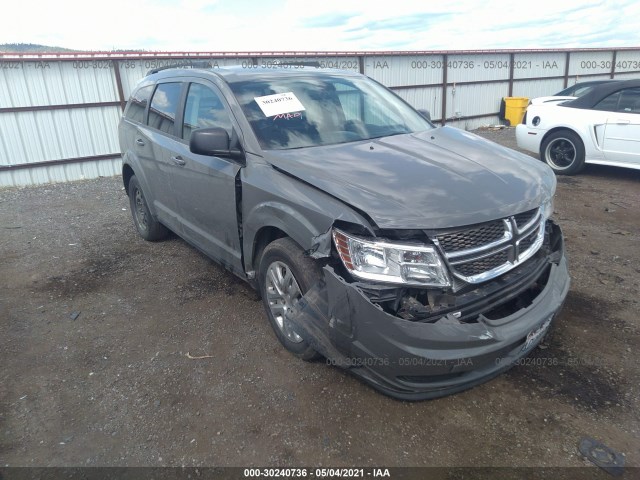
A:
(514, 108)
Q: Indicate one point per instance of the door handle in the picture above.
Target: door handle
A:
(140, 142)
(622, 122)
(178, 161)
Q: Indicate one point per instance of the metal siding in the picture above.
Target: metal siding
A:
(475, 99)
(477, 68)
(61, 173)
(36, 136)
(58, 84)
(628, 61)
(424, 98)
(339, 63)
(473, 123)
(537, 88)
(394, 71)
(582, 63)
(132, 71)
(57, 134)
(14, 150)
(16, 92)
(527, 65)
(627, 76)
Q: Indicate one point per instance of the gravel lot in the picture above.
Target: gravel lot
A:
(98, 327)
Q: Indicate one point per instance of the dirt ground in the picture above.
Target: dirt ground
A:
(98, 327)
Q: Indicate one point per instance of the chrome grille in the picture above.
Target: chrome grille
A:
(466, 239)
(483, 252)
(477, 267)
(527, 242)
(525, 218)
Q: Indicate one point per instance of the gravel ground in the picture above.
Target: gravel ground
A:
(98, 329)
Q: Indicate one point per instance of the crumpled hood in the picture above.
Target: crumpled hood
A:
(440, 178)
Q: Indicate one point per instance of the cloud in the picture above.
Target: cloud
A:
(415, 22)
(330, 25)
(328, 20)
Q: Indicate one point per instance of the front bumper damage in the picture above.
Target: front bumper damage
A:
(467, 345)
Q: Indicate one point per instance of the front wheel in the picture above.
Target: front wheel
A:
(285, 275)
(564, 152)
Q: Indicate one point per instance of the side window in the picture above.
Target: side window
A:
(629, 101)
(608, 104)
(204, 109)
(164, 105)
(138, 104)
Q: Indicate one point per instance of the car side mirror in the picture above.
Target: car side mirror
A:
(213, 142)
(425, 113)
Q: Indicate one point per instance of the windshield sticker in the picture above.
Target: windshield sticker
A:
(279, 104)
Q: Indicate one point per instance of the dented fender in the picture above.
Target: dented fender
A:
(271, 198)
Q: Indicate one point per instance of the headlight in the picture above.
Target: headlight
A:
(418, 265)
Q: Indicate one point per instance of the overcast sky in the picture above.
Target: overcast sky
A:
(321, 25)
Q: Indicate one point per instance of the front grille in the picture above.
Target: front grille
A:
(482, 252)
(472, 238)
(529, 240)
(477, 267)
(522, 219)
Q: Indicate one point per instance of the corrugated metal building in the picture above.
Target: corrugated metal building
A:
(59, 112)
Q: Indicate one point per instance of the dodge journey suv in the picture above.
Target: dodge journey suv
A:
(420, 258)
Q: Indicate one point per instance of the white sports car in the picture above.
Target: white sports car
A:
(603, 127)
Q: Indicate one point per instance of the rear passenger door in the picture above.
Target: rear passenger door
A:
(205, 186)
(158, 139)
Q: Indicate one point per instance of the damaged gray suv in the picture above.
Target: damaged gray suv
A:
(420, 258)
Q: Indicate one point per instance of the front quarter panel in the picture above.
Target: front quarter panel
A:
(271, 198)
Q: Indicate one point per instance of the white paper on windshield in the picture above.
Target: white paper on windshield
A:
(279, 103)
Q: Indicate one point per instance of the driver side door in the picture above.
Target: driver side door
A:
(205, 186)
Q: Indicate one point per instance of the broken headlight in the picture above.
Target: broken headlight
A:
(410, 264)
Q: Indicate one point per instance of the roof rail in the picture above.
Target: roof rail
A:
(184, 64)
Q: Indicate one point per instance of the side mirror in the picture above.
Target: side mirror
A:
(425, 113)
(213, 142)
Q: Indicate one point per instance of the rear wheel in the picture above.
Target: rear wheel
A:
(564, 152)
(148, 227)
(285, 275)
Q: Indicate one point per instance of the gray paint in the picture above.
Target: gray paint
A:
(435, 179)
(438, 178)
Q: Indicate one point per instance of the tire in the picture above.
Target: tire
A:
(148, 227)
(564, 152)
(281, 262)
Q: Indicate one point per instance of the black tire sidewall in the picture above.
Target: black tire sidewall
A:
(578, 163)
(306, 273)
(155, 230)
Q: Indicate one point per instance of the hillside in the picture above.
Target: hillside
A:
(30, 48)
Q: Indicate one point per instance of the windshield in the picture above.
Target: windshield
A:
(297, 112)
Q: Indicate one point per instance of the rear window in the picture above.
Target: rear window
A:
(138, 104)
(164, 106)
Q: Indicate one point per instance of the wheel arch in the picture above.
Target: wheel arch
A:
(559, 129)
(127, 173)
(264, 236)
(274, 220)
